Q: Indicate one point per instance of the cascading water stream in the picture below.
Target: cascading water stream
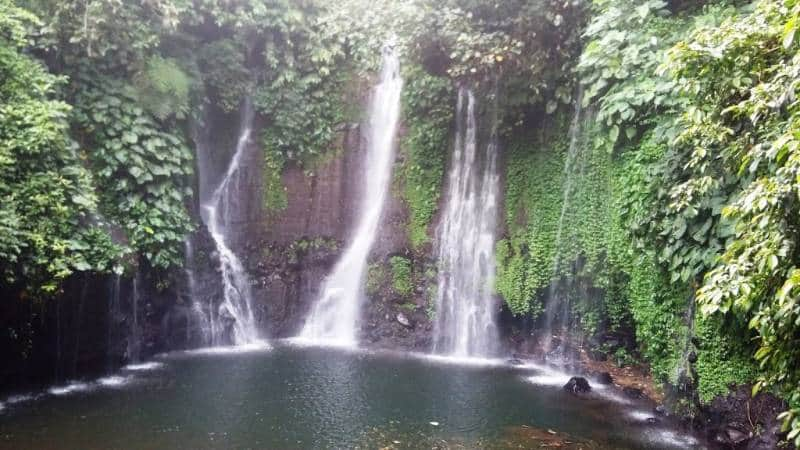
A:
(134, 335)
(202, 318)
(557, 311)
(465, 306)
(334, 318)
(236, 309)
(111, 319)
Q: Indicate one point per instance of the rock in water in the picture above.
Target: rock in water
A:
(403, 320)
(577, 385)
(633, 393)
(736, 436)
(605, 378)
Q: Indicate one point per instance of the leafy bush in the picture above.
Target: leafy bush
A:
(428, 112)
(49, 226)
(142, 171)
(376, 277)
(402, 282)
(163, 88)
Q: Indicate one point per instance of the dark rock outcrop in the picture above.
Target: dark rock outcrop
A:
(741, 421)
(604, 378)
(633, 393)
(577, 385)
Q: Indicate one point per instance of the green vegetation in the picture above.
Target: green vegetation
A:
(696, 109)
(141, 171)
(525, 257)
(376, 277)
(396, 274)
(402, 282)
(49, 224)
(428, 112)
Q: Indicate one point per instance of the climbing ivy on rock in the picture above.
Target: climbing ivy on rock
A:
(402, 281)
(558, 186)
(533, 207)
(428, 115)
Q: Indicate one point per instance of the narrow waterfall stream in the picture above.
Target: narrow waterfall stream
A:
(557, 310)
(134, 346)
(334, 318)
(236, 310)
(202, 320)
(465, 308)
(112, 318)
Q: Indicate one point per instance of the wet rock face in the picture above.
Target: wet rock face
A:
(740, 421)
(91, 330)
(403, 320)
(286, 280)
(288, 253)
(605, 378)
(633, 393)
(57, 340)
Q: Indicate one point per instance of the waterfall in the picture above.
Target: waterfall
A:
(334, 318)
(465, 307)
(134, 335)
(557, 312)
(111, 320)
(203, 316)
(234, 318)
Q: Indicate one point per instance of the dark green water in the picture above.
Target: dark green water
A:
(290, 397)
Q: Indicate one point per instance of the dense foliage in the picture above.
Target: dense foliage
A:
(49, 223)
(427, 104)
(696, 106)
(743, 124)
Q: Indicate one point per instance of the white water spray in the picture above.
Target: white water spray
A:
(236, 305)
(465, 306)
(334, 318)
(557, 312)
(202, 319)
(134, 346)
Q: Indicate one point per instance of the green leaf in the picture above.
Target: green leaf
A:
(679, 228)
(789, 31)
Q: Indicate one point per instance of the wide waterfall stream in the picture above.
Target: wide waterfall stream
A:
(334, 318)
(465, 309)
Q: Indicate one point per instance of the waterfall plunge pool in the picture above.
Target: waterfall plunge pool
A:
(295, 397)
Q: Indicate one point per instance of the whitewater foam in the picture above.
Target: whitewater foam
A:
(152, 365)
(77, 386)
(253, 347)
(19, 398)
(114, 381)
